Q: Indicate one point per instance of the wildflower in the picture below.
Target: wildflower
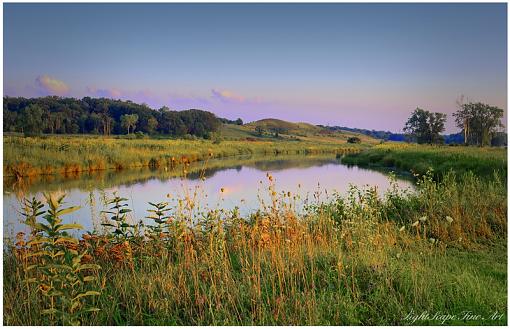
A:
(265, 237)
(44, 287)
(86, 258)
(222, 190)
(99, 251)
(449, 219)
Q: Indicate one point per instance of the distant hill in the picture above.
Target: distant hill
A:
(378, 134)
(269, 129)
(284, 126)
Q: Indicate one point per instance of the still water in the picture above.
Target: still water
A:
(220, 184)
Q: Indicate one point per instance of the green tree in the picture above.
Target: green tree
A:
(129, 121)
(436, 125)
(425, 127)
(479, 122)
(31, 120)
(417, 126)
(152, 125)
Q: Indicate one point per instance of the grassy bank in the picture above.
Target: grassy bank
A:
(28, 156)
(103, 179)
(419, 158)
(362, 259)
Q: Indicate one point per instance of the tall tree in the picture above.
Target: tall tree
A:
(462, 117)
(93, 115)
(129, 121)
(425, 127)
(479, 122)
(436, 124)
(31, 119)
(417, 126)
(152, 124)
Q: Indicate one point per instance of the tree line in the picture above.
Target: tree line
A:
(480, 124)
(57, 115)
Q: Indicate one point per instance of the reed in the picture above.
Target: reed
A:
(419, 159)
(68, 155)
(360, 259)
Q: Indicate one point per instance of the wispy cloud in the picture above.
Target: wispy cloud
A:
(227, 96)
(51, 85)
(107, 93)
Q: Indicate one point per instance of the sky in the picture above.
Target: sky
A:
(356, 65)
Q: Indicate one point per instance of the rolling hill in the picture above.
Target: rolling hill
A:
(274, 128)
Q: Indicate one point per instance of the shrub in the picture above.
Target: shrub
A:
(354, 140)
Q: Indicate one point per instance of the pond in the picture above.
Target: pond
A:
(240, 182)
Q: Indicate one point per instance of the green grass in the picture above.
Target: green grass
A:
(420, 158)
(359, 260)
(26, 156)
(111, 178)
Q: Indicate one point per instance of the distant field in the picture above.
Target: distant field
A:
(289, 130)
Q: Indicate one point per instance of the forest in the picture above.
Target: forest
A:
(57, 115)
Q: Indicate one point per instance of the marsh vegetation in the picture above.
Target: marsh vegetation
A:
(361, 258)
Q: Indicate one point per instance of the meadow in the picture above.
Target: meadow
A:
(482, 161)
(45, 155)
(360, 259)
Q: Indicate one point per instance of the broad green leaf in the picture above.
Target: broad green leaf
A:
(67, 210)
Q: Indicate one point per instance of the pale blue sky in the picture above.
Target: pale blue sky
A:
(359, 65)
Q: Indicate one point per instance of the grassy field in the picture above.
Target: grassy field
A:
(28, 156)
(304, 132)
(437, 256)
(420, 158)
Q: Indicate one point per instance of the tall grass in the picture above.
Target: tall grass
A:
(25, 156)
(420, 158)
(360, 259)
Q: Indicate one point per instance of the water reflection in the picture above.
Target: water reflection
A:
(243, 181)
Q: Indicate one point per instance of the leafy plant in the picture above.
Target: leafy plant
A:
(118, 210)
(56, 266)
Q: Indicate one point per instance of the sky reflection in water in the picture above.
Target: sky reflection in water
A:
(244, 185)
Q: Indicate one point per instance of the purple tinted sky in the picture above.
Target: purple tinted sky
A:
(358, 65)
